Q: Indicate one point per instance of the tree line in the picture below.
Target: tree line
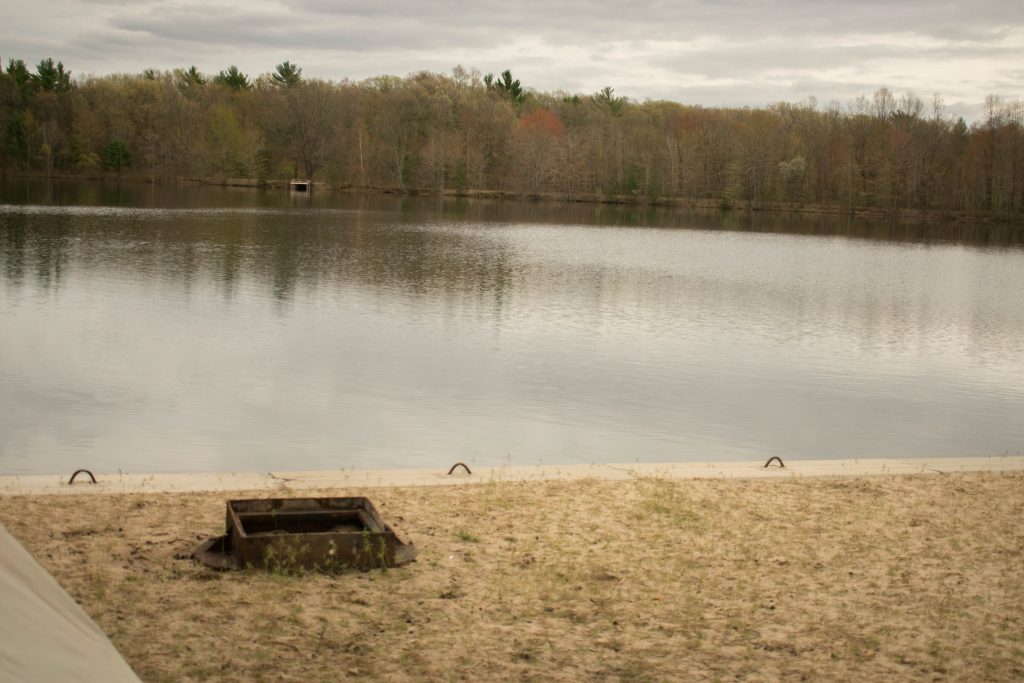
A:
(466, 131)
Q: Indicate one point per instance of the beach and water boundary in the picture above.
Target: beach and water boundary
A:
(123, 483)
(828, 570)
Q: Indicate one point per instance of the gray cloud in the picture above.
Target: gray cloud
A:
(647, 19)
(428, 25)
(758, 61)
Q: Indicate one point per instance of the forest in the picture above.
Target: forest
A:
(464, 132)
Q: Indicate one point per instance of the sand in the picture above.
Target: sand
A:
(908, 577)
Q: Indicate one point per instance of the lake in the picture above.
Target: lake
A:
(150, 329)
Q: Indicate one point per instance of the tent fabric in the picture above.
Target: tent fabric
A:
(44, 634)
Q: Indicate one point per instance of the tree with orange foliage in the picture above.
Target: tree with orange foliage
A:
(542, 122)
(540, 134)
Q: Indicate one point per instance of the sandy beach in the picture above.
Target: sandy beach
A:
(646, 576)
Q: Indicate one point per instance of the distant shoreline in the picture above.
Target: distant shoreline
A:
(706, 204)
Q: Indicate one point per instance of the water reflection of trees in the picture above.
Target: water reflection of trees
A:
(14, 238)
(283, 245)
(279, 252)
(582, 213)
(22, 250)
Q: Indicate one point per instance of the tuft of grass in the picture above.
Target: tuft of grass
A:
(666, 498)
(466, 536)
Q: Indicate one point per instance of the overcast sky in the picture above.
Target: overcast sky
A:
(710, 52)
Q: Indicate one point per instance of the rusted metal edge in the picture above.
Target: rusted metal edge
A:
(238, 548)
(214, 554)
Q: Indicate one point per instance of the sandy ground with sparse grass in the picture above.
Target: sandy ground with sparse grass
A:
(884, 578)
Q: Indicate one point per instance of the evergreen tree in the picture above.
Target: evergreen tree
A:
(507, 86)
(232, 78)
(117, 156)
(192, 77)
(606, 96)
(287, 74)
(52, 77)
(17, 70)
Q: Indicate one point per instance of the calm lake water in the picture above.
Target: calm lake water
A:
(148, 329)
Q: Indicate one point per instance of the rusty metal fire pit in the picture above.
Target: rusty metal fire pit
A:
(286, 534)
